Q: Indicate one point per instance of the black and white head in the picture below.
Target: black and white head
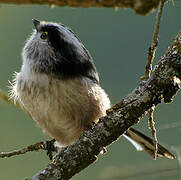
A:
(54, 49)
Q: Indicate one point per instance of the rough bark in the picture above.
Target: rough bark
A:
(162, 86)
(139, 6)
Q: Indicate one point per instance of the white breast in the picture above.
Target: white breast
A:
(63, 108)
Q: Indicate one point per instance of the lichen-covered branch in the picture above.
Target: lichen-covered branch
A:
(162, 86)
(139, 6)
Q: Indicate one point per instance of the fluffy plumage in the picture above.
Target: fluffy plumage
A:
(59, 85)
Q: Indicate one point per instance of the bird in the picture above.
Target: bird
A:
(58, 84)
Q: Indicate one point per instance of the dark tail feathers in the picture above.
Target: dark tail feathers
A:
(140, 141)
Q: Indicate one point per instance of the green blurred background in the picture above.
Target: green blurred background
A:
(118, 42)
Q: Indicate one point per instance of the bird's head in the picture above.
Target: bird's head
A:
(54, 48)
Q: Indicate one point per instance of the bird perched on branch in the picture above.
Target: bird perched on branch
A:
(59, 86)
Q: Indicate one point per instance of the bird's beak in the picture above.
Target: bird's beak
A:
(36, 23)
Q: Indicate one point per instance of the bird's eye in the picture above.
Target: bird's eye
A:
(44, 35)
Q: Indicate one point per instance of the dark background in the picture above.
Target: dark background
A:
(118, 42)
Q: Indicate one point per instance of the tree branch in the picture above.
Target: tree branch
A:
(30, 148)
(152, 49)
(47, 145)
(5, 98)
(153, 130)
(139, 6)
(162, 85)
(148, 69)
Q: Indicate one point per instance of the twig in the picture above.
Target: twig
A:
(5, 98)
(153, 130)
(148, 69)
(34, 147)
(152, 49)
